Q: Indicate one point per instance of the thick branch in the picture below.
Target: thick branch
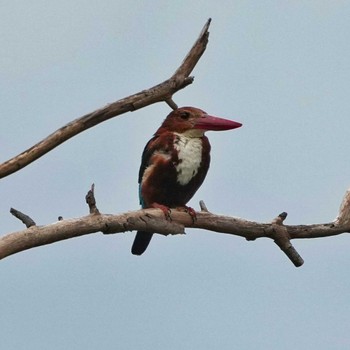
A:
(158, 93)
(153, 220)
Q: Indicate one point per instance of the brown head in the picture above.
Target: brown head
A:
(194, 122)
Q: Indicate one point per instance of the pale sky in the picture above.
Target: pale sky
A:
(282, 68)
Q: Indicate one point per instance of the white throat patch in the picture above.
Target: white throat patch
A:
(190, 157)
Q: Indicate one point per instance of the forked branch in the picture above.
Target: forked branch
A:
(159, 93)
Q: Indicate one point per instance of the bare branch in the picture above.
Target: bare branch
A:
(203, 206)
(280, 235)
(152, 220)
(194, 54)
(160, 93)
(28, 221)
(344, 212)
(171, 103)
(91, 201)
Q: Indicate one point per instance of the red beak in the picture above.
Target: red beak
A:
(208, 122)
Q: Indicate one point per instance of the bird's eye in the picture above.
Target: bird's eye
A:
(184, 115)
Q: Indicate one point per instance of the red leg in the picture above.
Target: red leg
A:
(166, 210)
(191, 212)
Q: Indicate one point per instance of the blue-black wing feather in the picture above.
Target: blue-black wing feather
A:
(142, 238)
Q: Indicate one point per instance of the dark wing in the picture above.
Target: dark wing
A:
(151, 146)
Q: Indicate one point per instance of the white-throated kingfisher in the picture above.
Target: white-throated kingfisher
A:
(175, 162)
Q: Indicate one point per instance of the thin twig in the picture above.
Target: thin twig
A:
(280, 235)
(171, 103)
(91, 201)
(203, 206)
(27, 220)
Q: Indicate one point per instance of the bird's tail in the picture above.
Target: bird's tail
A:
(141, 242)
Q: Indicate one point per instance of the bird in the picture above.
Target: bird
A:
(174, 164)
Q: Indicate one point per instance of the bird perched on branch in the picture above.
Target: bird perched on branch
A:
(175, 162)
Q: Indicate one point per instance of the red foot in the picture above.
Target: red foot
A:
(192, 213)
(166, 210)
